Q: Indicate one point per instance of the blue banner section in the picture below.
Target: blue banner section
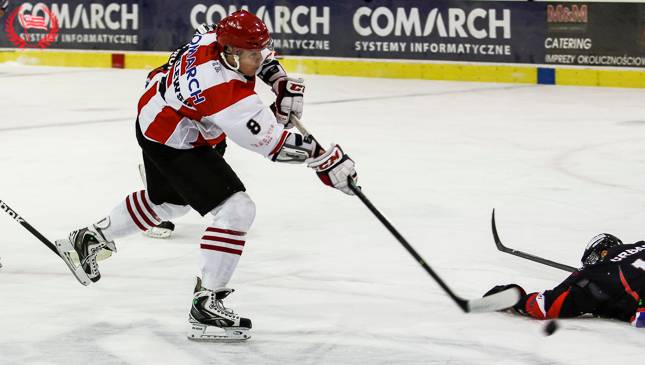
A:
(443, 30)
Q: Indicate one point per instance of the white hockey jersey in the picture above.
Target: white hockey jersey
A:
(199, 101)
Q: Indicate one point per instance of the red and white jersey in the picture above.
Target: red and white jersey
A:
(199, 101)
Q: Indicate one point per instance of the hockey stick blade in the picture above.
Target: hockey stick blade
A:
(495, 302)
(524, 255)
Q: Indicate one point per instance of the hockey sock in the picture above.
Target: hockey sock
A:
(137, 213)
(223, 242)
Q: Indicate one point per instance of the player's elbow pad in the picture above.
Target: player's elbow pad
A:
(295, 149)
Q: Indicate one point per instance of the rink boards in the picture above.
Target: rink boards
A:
(450, 71)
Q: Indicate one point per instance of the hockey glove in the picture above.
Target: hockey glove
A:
(638, 320)
(333, 167)
(289, 100)
(517, 308)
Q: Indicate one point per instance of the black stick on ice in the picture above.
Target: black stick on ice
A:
(12, 213)
(498, 301)
(528, 256)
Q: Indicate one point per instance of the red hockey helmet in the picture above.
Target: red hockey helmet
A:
(242, 30)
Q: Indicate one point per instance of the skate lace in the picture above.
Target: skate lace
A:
(92, 252)
(218, 305)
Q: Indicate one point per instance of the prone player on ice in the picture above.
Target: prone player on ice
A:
(204, 95)
(610, 284)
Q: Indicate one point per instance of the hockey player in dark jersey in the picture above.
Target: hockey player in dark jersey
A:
(610, 284)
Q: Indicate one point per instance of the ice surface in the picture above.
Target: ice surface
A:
(322, 280)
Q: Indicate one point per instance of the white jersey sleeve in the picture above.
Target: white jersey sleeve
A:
(250, 124)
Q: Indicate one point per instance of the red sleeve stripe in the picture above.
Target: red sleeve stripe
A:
(628, 289)
(223, 239)
(227, 231)
(133, 216)
(147, 96)
(556, 307)
(278, 147)
(533, 307)
(220, 249)
(164, 125)
(146, 203)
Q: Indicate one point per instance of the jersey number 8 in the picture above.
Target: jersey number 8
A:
(253, 126)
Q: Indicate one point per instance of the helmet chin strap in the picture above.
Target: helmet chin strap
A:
(235, 57)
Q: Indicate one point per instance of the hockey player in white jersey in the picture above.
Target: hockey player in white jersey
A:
(203, 95)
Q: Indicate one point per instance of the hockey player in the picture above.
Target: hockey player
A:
(202, 96)
(610, 284)
(4, 4)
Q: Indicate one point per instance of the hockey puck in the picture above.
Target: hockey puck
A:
(550, 328)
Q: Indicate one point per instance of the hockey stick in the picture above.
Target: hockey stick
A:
(77, 271)
(498, 301)
(528, 256)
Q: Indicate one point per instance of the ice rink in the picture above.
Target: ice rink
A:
(321, 278)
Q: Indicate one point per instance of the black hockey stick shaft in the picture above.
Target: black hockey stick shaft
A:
(462, 303)
(524, 255)
(12, 213)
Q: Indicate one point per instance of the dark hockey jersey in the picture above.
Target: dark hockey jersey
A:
(613, 288)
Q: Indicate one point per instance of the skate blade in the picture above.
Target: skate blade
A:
(67, 252)
(204, 333)
(156, 232)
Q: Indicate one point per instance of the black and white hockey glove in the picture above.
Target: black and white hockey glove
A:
(289, 99)
(333, 167)
(518, 308)
(4, 4)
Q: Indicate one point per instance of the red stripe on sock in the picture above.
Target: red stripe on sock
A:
(221, 249)
(141, 213)
(145, 199)
(227, 231)
(132, 215)
(225, 240)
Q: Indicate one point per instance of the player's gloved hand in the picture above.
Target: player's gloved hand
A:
(289, 99)
(333, 168)
(638, 320)
(517, 308)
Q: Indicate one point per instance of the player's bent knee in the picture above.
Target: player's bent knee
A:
(239, 209)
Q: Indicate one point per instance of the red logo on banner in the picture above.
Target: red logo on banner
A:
(32, 22)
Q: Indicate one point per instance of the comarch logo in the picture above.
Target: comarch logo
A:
(111, 16)
(477, 23)
(278, 19)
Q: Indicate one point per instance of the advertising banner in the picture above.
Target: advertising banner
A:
(595, 34)
(611, 34)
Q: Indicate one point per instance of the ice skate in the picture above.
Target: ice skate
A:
(81, 251)
(211, 321)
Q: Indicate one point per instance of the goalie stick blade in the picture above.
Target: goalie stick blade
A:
(495, 302)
